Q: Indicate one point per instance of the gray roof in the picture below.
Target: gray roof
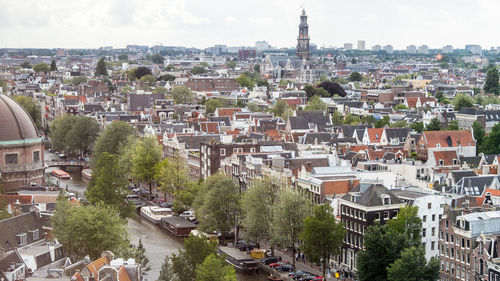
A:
(304, 119)
(459, 174)
(10, 227)
(370, 195)
(475, 186)
(348, 130)
(483, 222)
(399, 133)
(310, 138)
(471, 160)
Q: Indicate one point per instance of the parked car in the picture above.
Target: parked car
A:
(307, 278)
(243, 245)
(270, 260)
(136, 190)
(159, 200)
(188, 215)
(62, 156)
(298, 273)
(132, 196)
(276, 264)
(284, 267)
(143, 192)
(318, 278)
(166, 204)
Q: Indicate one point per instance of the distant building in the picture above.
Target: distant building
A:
(303, 40)
(361, 45)
(376, 48)
(247, 54)
(412, 49)
(389, 49)
(448, 49)
(262, 46)
(347, 46)
(424, 50)
(474, 49)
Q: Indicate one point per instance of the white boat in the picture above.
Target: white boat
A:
(154, 213)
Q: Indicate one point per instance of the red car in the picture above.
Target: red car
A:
(318, 278)
(276, 264)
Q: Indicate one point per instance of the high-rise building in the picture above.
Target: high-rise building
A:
(361, 45)
(424, 50)
(303, 39)
(412, 49)
(448, 49)
(262, 46)
(376, 48)
(389, 49)
(347, 46)
(474, 49)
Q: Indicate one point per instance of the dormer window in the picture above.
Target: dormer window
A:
(438, 145)
(22, 239)
(455, 161)
(441, 162)
(386, 199)
(222, 152)
(35, 234)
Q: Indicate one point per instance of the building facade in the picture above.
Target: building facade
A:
(303, 40)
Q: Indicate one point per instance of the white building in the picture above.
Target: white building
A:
(430, 208)
(376, 48)
(412, 49)
(448, 49)
(424, 50)
(389, 49)
(361, 45)
(347, 46)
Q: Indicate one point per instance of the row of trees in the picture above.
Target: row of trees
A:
(74, 134)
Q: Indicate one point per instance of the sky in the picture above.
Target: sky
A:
(204, 23)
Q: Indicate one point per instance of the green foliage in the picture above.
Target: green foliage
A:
(137, 73)
(166, 271)
(408, 223)
(101, 69)
(281, 109)
(491, 84)
(385, 121)
(485, 100)
(170, 67)
(479, 134)
(184, 198)
(256, 68)
(123, 57)
(351, 119)
(215, 268)
(288, 219)
(245, 81)
(315, 103)
(337, 118)
(74, 134)
(231, 64)
(32, 107)
(41, 67)
(399, 124)
(355, 76)
(400, 106)
(167, 77)
(417, 126)
(26, 64)
(322, 236)
(109, 185)
(89, 230)
(77, 80)
(462, 100)
(309, 89)
(491, 143)
(453, 126)
(256, 204)
(212, 104)
(182, 95)
(53, 66)
(434, 125)
(412, 266)
(172, 174)
(3, 86)
(439, 96)
(3, 208)
(145, 159)
(141, 258)
(196, 250)
(160, 90)
(157, 59)
(150, 79)
(113, 139)
(198, 70)
(218, 204)
(253, 107)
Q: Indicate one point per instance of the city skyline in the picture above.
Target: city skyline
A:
(83, 24)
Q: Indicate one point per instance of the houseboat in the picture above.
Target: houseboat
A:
(87, 174)
(60, 174)
(238, 259)
(155, 214)
(178, 226)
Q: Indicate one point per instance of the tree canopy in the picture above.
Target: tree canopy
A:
(355, 76)
(491, 143)
(196, 250)
(281, 109)
(198, 70)
(113, 139)
(434, 125)
(462, 100)
(332, 88)
(101, 69)
(479, 135)
(157, 58)
(315, 103)
(53, 66)
(74, 134)
(41, 67)
(245, 81)
(182, 95)
(491, 84)
(412, 266)
(32, 107)
(26, 64)
(214, 268)
(144, 160)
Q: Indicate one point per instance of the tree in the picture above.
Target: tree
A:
(281, 109)
(160, 90)
(479, 134)
(321, 92)
(309, 89)
(355, 76)
(218, 204)
(109, 185)
(322, 236)
(315, 103)
(157, 59)
(215, 268)
(113, 139)
(417, 126)
(337, 118)
(244, 81)
(196, 250)
(41, 67)
(400, 106)
(3, 86)
(32, 107)
(141, 258)
(453, 126)
(166, 271)
(53, 66)
(351, 119)
(150, 79)
(198, 70)
(167, 77)
(101, 69)
(74, 134)
(491, 84)
(137, 73)
(256, 204)
(231, 64)
(182, 95)
(123, 57)
(462, 100)
(145, 159)
(434, 125)
(170, 67)
(439, 96)
(172, 174)
(77, 80)
(184, 198)
(25, 64)
(212, 104)
(409, 224)
(412, 266)
(385, 121)
(253, 107)
(89, 230)
(491, 143)
(288, 219)
(332, 88)
(399, 124)
(256, 68)
(3, 208)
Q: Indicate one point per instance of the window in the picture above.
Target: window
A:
(455, 162)
(222, 152)
(424, 232)
(429, 205)
(377, 216)
(22, 239)
(252, 149)
(36, 156)
(446, 223)
(424, 219)
(451, 238)
(35, 234)
(468, 246)
(11, 159)
(441, 162)
(433, 244)
(433, 217)
(386, 215)
(433, 231)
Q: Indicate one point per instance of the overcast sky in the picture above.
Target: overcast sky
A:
(203, 23)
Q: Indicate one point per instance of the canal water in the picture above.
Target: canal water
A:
(158, 243)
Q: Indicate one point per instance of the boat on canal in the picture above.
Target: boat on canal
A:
(155, 214)
(60, 174)
(178, 226)
(87, 174)
(239, 259)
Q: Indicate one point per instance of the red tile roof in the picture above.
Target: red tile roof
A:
(209, 127)
(446, 156)
(375, 134)
(123, 275)
(227, 112)
(94, 266)
(445, 138)
(357, 148)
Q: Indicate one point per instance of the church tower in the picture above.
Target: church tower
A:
(303, 39)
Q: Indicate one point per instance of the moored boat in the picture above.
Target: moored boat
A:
(60, 174)
(238, 259)
(87, 174)
(155, 214)
(178, 226)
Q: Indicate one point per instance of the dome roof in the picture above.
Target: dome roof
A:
(15, 122)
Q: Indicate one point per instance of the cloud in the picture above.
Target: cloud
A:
(230, 19)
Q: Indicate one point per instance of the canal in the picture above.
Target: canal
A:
(158, 243)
